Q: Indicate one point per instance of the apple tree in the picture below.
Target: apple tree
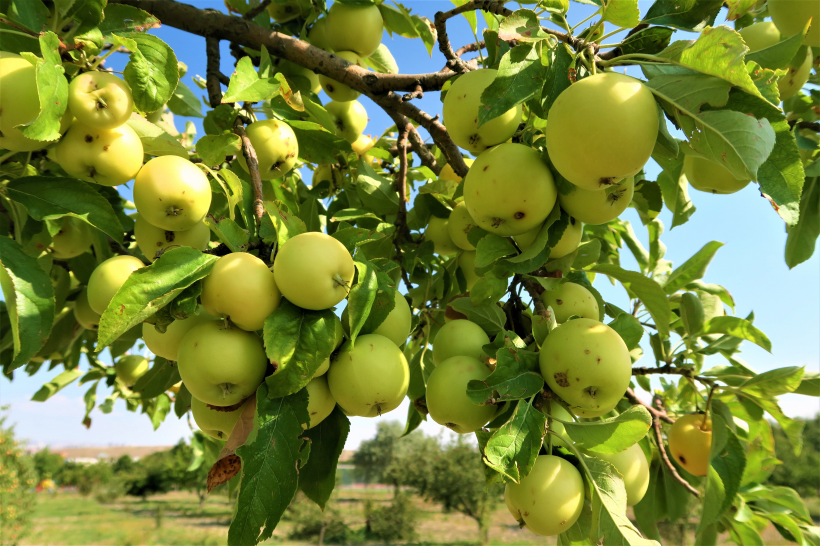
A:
(284, 273)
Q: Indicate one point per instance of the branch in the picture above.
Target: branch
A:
(425, 155)
(469, 48)
(812, 125)
(404, 127)
(454, 63)
(212, 72)
(616, 52)
(535, 290)
(656, 413)
(253, 169)
(672, 370)
(253, 12)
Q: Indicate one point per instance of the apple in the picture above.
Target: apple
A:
(172, 193)
(314, 271)
(100, 100)
(282, 12)
(459, 225)
(790, 84)
(587, 364)
(340, 337)
(320, 401)
(556, 411)
(361, 145)
(632, 465)
(570, 299)
(567, 244)
(74, 238)
(108, 157)
(450, 314)
(337, 91)
(241, 288)
(221, 366)
(550, 498)
(85, 315)
(710, 177)
(624, 116)
(764, 35)
(19, 103)
(152, 240)
(459, 338)
(331, 173)
(438, 231)
(369, 379)
(276, 148)
(349, 119)
(509, 190)
(317, 36)
(447, 399)
(396, 327)
(107, 278)
(760, 35)
(166, 344)
(300, 78)
(447, 172)
(466, 262)
(461, 106)
(598, 207)
(355, 28)
(690, 441)
(130, 368)
(216, 424)
(791, 17)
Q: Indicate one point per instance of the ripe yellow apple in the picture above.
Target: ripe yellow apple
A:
(396, 327)
(460, 109)
(361, 145)
(602, 129)
(151, 240)
(337, 91)
(447, 172)
(320, 400)
(19, 103)
(276, 148)
(791, 16)
(459, 338)
(85, 315)
(439, 232)
(459, 225)
(216, 424)
(598, 207)
(108, 157)
(570, 299)
(349, 119)
(634, 469)
(74, 238)
(509, 190)
(100, 100)
(466, 262)
(690, 441)
(447, 399)
(710, 177)
(355, 28)
(130, 368)
(166, 344)
(241, 288)
(172, 193)
(107, 278)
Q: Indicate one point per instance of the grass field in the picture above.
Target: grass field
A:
(177, 518)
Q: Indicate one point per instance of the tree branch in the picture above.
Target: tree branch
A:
(253, 12)
(454, 63)
(212, 72)
(425, 155)
(471, 47)
(672, 370)
(253, 169)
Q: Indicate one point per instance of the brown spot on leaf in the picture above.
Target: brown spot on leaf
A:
(223, 470)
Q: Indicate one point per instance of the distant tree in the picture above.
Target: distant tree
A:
(800, 472)
(124, 464)
(17, 480)
(85, 477)
(162, 472)
(374, 456)
(47, 464)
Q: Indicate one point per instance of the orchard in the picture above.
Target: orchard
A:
(286, 273)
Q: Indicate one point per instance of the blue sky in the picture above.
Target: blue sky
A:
(786, 303)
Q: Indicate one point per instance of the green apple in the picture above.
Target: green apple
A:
(587, 364)
(320, 401)
(314, 271)
(337, 91)
(599, 206)
(459, 338)
(331, 173)
(791, 17)
(438, 231)
(361, 145)
(19, 103)
(349, 119)
(509, 190)
(790, 84)
(447, 399)
(459, 225)
(152, 241)
(108, 157)
(85, 315)
(300, 78)
(567, 244)
(130, 368)
(690, 441)
(710, 177)
(241, 288)
(369, 379)
(100, 100)
(276, 148)
(634, 468)
(557, 411)
(288, 10)
(172, 193)
(221, 366)
(570, 299)
(317, 36)
(447, 172)
(340, 337)
(396, 327)
(760, 35)
(355, 28)
(107, 278)
(74, 238)
(216, 424)
(166, 344)
(466, 262)
(623, 113)
(764, 35)
(461, 106)
(550, 498)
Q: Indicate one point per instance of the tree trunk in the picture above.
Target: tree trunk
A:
(322, 534)
(484, 525)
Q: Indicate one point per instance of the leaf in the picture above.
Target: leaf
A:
(213, 149)
(229, 232)
(157, 409)
(151, 72)
(613, 434)
(316, 144)
(692, 269)
(779, 55)
(520, 76)
(57, 384)
(378, 194)
(774, 382)
(382, 61)
(162, 376)
(492, 247)
(560, 60)
(622, 13)
(802, 238)
(270, 467)
(362, 296)
(185, 103)
(123, 18)
(692, 15)
(515, 377)
(675, 190)
(629, 328)
(737, 327)
(149, 289)
(297, 341)
(50, 198)
(648, 41)
(154, 140)
(287, 225)
(490, 317)
(246, 85)
(29, 298)
(182, 401)
(327, 440)
(810, 384)
(727, 460)
(223, 471)
(52, 89)
(522, 25)
(647, 290)
(513, 448)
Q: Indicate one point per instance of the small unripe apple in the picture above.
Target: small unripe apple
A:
(166, 344)
(282, 12)
(370, 379)
(349, 119)
(598, 207)
(447, 172)
(19, 103)
(556, 411)
(172, 193)
(459, 225)
(152, 241)
(438, 231)
(791, 17)
(107, 278)
(690, 441)
(447, 399)
(466, 262)
(100, 100)
(320, 401)
(570, 299)
(396, 327)
(459, 338)
(108, 157)
(302, 79)
(634, 469)
(130, 368)
(337, 91)
(74, 238)
(276, 148)
(317, 36)
(85, 315)
(216, 424)
(355, 28)
(331, 173)
(710, 177)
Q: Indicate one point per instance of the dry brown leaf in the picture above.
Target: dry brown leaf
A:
(223, 470)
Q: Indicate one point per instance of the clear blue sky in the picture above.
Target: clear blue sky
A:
(786, 303)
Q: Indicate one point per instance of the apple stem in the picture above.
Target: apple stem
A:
(341, 282)
(226, 390)
(101, 104)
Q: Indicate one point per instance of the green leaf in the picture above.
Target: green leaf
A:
(692, 313)
(162, 376)
(515, 377)
(57, 384)
(810, 384)
(647, 290)
(803, 235)
(149, 289)
(213, 149)
(29, 298)
(88, 13)
(523, 25)
(513, 448)
(378, 194)
(362, 296)
(297, 341)
(694, 15)
(52, 89)
(151, 72)
(520, 76)
(270, 466)
(737, 327)
(123, 18)
(559, 60)
(287, 225)
(622, 13)
(229, 232)
(157, 409)
(327, 440)
(692, 269)
(727, 460)
(382, 61)
(154, 140)
(50, 198)
(492, 247)
(246, 85)
(398, 21)
(316, 144)
(185, 103)
(779, 55)
(675, 189)
(774, 382)
(490, 317)
(182, 401)
(613, 434)
(629, 328)
(648, 41)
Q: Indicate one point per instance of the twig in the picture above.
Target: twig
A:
(224, 250)
(454, 63)
(212, 72)
(672, 370)
(253, 169)
(425, 155)
(811, 125)
(471, 47)
(253, 12)
(656, 413)
(656, 426)
(535, 290)
(417, 93)
(402, 231)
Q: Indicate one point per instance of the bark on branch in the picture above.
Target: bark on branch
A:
(253, 168)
